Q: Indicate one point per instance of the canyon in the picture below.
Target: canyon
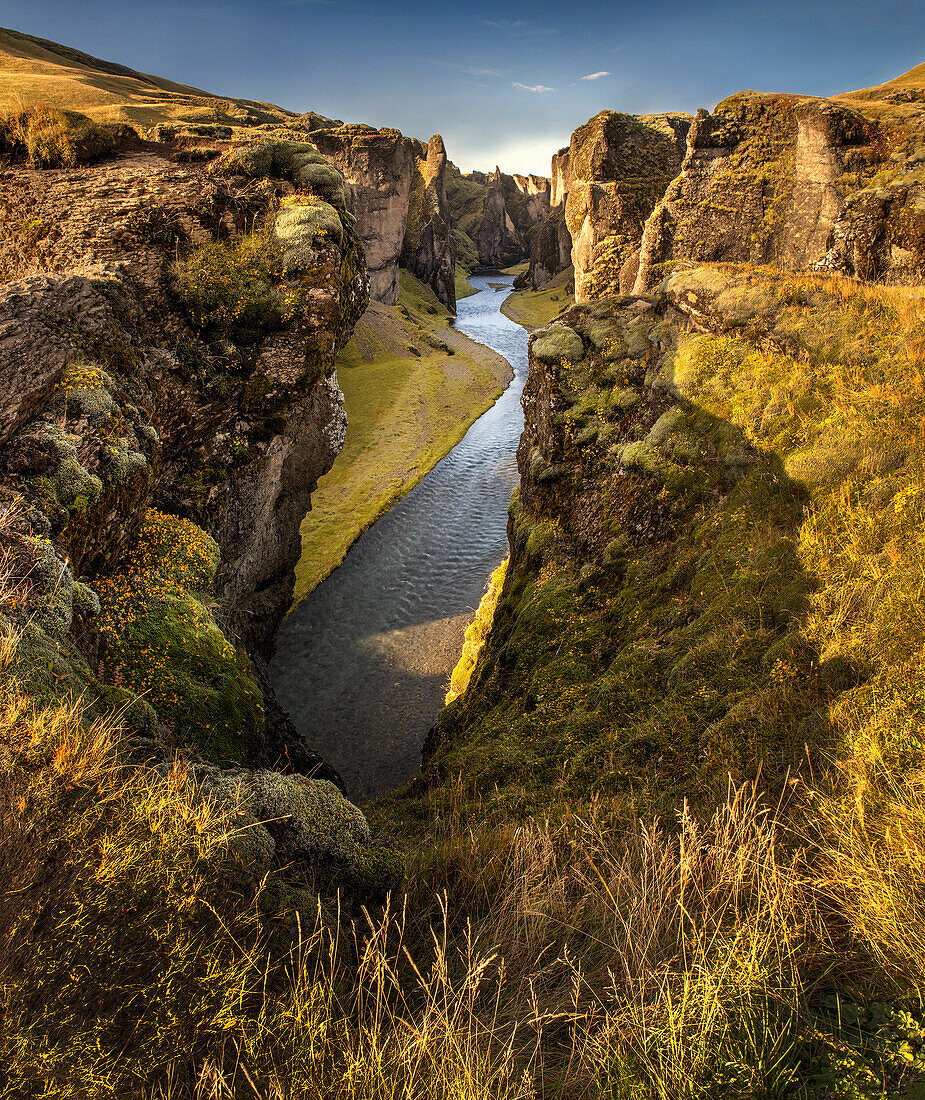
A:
(714, 535)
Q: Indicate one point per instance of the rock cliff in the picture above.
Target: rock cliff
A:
(175, 358)
(550, 253)
(559, 178)
(795, 181)
(615, 168)
(429, 248)
(495, 216)
(618, 168)
(396, 189)
(669, 615)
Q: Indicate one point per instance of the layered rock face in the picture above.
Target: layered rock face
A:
(618, 168)
(792, 181)
(378, 168)
(396, 190)
(495, 216)
(497, 237)
(537, 193)
(167, 359)
(429, 249)
(559, 178)
(551, 247)
(551, 251)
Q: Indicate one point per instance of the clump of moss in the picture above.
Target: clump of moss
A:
(161, 642)
(304, 223)
(297, 161)
(558, 342)
(69, 483)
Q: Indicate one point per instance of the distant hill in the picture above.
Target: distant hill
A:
(35, 71)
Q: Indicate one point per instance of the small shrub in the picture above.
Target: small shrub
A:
(162, 643)
(52, 138)
(234, 290)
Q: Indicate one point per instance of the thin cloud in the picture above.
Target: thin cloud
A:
(518, 27)
(536, 89)
(470, 70)
(595, 76)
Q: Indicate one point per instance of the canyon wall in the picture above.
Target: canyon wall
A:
(396, 190)
(429, 248)
(795, 181)
(603, 187)
(618, 168)
(170, 362)
(495, 216)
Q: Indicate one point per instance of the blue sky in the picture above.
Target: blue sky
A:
(503, 83)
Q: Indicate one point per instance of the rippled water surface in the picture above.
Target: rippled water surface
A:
(362, 663)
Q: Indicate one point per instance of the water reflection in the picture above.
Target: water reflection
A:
(362, 663)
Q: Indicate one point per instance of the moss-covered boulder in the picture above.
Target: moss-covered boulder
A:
(304, 828)
(299, 162)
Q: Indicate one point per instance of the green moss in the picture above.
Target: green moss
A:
(69, 483)
(234, 290)
(299, 162)
(558, 342)
(161, 642)
(303, 225)
(375, 872)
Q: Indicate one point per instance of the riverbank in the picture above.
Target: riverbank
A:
(412, 386)
(536, 308)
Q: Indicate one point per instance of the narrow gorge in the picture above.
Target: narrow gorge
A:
(296, 418)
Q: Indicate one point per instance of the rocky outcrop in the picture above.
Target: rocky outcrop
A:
(659, 450)
(559, 178)
(429, 248)
(497, 238)
(793, 181)
(537, 195)
(551, 246)
(397, 192)
(184, 369)
(550, 253)
(618, 168)
(378, 168)
(495, 216)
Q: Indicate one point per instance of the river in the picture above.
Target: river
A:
(362, 663)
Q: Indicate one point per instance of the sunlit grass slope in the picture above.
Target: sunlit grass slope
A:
(535, 308)
(763, 939)
(716, 579)
(36, 72)
(412, 386)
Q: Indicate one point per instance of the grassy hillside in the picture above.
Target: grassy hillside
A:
(412, 386)
(712, 614)
(36, 72)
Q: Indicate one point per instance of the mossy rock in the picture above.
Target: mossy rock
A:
(161, 641)
(557, 343)
(300, 226)
(164, 645)
(299, 162)
(307, 825)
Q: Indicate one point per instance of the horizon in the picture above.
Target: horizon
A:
(528, 78)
